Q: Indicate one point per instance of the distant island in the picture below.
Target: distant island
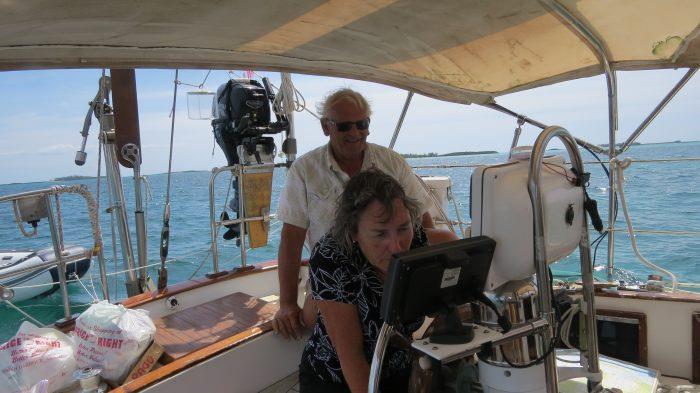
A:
(72, 177)
(633, 144)
(458, 153)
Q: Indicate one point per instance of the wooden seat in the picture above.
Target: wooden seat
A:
(196, 327)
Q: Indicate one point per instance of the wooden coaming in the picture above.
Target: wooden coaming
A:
(192, 359)
(139, 300)
(683, 297)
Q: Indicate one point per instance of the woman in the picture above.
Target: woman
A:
(348, 266)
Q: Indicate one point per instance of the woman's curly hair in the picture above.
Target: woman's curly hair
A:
(360, 191)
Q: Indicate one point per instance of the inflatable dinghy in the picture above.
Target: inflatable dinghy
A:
(14, 260)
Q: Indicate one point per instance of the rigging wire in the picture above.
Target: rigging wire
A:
(99, 157)
(172, 134)
(26, 315)
(113, 232)
(199, 86)
(114, 239)
(237, 256)
(165, 232)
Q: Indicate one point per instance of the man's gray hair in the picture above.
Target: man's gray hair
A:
(344, 94)
(361, 190)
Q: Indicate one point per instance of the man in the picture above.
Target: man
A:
(314, 182)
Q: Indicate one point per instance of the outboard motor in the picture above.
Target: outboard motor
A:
(241, 119)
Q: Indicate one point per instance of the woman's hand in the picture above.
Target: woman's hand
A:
(343, 326)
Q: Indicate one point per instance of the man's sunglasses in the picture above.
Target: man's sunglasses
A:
(346, 126)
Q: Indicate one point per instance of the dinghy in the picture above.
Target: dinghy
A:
(34, 282)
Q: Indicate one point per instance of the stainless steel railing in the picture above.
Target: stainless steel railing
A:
(56, 230)
(238, 171)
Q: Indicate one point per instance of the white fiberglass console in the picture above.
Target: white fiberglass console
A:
(501, 209)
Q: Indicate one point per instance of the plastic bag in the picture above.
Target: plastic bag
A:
(35, 354)
(112, 337)
(41, 387)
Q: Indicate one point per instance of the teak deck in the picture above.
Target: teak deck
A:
(194, 328)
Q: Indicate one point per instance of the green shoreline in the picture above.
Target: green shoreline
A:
(407, 155)
(458, 153)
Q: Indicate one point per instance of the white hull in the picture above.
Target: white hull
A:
(267, 359)
(34, 283)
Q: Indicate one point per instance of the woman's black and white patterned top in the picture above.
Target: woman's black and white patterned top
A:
(338, 276)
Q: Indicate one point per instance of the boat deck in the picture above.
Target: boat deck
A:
(197, 327)
(288, 385)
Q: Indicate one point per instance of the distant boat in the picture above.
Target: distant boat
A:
(29, 284)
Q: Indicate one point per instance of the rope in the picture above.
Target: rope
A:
(283, 101)
(619, 178)
(290, 100)
(94, 297)
(567, 319)
(92, 285)
(59, 221)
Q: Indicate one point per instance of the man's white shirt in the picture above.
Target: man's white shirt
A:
(315, 182)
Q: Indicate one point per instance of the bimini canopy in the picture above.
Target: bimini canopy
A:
(456, 50)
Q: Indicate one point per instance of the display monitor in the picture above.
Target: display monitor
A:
(436, 279)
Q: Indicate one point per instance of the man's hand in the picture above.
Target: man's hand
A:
(287, 321)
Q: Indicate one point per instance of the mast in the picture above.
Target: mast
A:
(125, 150)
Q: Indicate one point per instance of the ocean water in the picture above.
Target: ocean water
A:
(661, 196)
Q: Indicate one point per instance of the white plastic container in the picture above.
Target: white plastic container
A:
(438, 186)
(501, 209)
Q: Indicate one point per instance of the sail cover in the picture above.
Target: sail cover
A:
(454, 50)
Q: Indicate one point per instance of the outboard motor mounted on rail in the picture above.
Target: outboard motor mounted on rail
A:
(241, 119)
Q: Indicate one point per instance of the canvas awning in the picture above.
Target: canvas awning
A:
(455, 50)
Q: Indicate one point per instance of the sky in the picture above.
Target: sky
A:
(42, 113)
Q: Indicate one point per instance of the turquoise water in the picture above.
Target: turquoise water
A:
(661, 196)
